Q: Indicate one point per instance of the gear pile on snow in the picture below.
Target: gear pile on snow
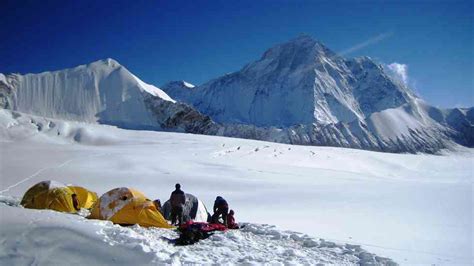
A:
(191, 232)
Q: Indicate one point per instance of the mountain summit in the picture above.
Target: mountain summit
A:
(298, 82)
(321, 98)
(100, 92)
(298, 92)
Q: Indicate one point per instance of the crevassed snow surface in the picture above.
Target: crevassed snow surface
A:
(415, 209)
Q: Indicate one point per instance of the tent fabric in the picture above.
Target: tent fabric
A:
(56, 196)
(127, 206)
(85, 197)
(194, 210)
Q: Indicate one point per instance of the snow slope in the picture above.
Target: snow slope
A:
(415, 209)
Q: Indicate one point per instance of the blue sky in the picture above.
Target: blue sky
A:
(196, 41)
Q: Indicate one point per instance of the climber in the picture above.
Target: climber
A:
(177, 200)
(221, 208)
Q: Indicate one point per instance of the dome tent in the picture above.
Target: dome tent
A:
(127, 206)
(56, 196)
(194, 209)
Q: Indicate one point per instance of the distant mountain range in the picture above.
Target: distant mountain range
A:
(299, 92)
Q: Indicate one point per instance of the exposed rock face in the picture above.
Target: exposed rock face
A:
(179, 117)
(6, 92)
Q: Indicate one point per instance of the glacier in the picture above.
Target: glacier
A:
(413, 208)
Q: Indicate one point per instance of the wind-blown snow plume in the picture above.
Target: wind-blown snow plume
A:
(399, 71)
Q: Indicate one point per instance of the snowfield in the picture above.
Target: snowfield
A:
(53, 238)
(414, 209)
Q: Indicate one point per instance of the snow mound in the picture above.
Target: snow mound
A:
(48, 237)
(15, 126)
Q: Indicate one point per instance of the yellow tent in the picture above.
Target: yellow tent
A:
(56, 196)
(128, 206)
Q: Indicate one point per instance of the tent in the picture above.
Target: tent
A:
(194, 209)
(128, 206)
(56, 196)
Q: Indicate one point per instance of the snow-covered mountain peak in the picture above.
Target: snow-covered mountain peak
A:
(302, 50)
(109, 62)
(187, 84)
(321, 98)
(180, 89)
(297, 82)
(180, 83)
(298, 92)
(366, 62)
(102, 91)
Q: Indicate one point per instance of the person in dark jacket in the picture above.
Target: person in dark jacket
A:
(231, 224)
(177, 200)
(221, 208)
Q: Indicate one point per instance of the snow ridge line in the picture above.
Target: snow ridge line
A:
(44, 169)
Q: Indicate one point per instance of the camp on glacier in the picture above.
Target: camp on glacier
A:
(325, 160)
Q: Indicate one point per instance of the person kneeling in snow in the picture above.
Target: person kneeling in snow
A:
(220, 208)
(231, 224)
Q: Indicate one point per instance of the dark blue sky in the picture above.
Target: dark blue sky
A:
(195, 41)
